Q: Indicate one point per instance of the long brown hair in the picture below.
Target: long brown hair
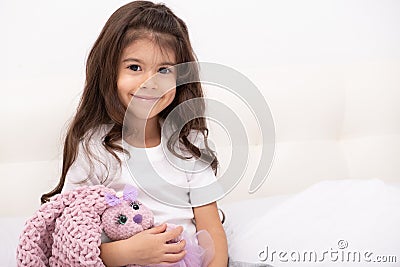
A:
(100, 105)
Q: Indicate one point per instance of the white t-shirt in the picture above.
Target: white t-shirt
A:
(95, 174)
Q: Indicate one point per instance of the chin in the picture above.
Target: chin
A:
(141, 115)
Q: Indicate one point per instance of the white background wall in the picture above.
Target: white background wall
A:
(330, 71)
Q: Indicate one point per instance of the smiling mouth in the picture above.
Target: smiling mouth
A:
(146, 98)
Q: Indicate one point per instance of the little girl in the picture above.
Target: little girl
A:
(140, 39)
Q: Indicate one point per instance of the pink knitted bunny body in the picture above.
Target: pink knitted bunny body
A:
(65, 231)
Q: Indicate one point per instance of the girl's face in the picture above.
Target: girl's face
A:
(146, 79)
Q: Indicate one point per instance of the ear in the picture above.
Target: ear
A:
(112, 200)
(130, 193)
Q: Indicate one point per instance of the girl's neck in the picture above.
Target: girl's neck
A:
(139, 137)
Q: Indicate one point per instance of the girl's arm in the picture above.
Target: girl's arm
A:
(144, 248)
(207, 218)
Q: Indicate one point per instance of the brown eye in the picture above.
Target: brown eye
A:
(121, 219)
(134, 67)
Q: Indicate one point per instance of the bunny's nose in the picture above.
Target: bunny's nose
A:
(137, 218)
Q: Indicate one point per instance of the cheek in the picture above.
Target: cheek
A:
(169, 97)
(125, 86)
(121, 89)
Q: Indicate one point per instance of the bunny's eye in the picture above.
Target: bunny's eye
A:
(121, 219)
(135, 205)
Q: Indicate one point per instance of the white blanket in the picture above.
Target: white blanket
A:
(338, 223)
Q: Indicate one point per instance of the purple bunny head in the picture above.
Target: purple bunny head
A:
(125, 216)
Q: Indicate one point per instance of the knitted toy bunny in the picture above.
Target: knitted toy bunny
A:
(126, 216)
(66, 231)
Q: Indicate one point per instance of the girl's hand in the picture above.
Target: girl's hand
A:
(150, 246)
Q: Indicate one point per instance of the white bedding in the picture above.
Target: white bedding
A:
(363, 213)
(10, 229)
(359, 216)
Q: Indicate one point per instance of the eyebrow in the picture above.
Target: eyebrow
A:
(141, 61)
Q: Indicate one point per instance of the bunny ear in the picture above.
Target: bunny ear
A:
(112, 200)
(130, 193)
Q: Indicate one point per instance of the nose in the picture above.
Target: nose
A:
(137, 218)
(150, 81)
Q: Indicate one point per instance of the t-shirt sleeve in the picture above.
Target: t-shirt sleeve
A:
(204, 186)
(202, 174)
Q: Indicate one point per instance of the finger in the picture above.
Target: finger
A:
(172, 234)
(172, 258)
(157, 229)
(175, 247)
